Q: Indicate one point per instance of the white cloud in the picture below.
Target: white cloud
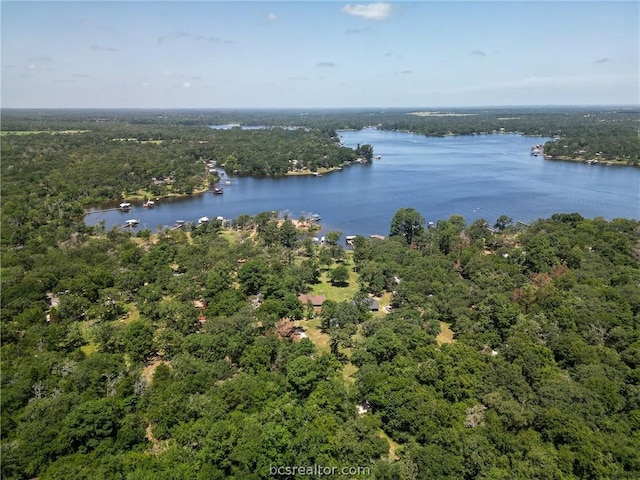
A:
(371, 11)
(34, 67)
(186, 85)
(271, 17)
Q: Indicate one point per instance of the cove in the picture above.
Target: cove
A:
(476, 176)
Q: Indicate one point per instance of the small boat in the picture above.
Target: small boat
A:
(180, 222)
(132, 222)
(227, 182)
(202, 220)
(217, 191)
(149, 204)
(315, 217)
(125, 206)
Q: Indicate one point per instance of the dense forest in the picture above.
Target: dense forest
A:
(97, 162)
(455, 350)
(579, 132)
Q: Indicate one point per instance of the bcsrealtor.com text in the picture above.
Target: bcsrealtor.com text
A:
(317, 470)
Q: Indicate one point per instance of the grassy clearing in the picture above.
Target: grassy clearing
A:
(232, 236)
(131, 316)
(89, 349)
(319, 339)
(445, 335)
(85, 329)
(348, 373)
(393, 446)
(143, 195)
(149, 370)
(337, 294)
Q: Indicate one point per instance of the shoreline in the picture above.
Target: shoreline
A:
(142, 195)
(609, 163)
(138, 197)
(320, 171)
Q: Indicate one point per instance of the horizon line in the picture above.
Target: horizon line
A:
(552, 105)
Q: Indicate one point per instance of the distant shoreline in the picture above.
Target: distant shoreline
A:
(606, 163)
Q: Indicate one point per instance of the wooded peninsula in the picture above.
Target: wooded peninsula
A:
(483, 350)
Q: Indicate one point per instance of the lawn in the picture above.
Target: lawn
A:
(131, 316)
(445, 335)
(91, 346)
(319, 339)
(337, 294)
(348, 373)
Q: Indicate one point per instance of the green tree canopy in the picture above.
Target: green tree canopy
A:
(408, 223)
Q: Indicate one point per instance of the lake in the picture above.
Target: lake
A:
(476, 176)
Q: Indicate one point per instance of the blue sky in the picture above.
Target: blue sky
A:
(243, 54)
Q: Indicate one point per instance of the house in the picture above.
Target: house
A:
(316, 301)
(372, 303)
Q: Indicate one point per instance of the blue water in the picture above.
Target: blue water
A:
(479, 176)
